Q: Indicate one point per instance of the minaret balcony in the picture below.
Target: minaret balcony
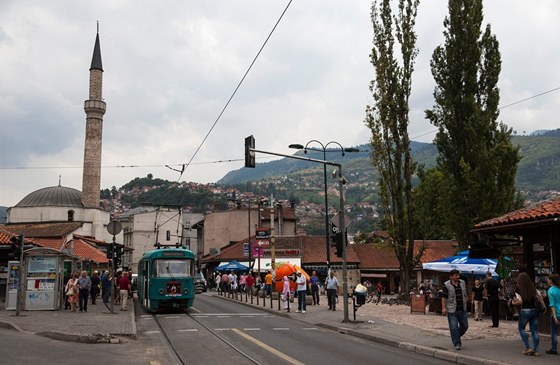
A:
(95, 106)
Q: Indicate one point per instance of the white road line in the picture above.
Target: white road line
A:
(232, 314)
(281, 329)
(151, 332)
(309, 328)
(188, 330)
(222, 329)
(251, 329)
(172, 317)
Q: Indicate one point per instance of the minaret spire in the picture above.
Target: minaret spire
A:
(95, 110)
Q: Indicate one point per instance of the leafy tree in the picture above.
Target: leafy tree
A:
(476, 156)
(388, 121)
(430, 207)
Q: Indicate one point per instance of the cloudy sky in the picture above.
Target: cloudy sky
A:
(171, 66)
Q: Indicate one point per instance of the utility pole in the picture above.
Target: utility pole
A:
(272, 242)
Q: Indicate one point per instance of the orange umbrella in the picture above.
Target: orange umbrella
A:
(302, 272)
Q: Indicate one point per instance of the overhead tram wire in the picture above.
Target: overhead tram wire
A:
(235, 91)
(229, 160)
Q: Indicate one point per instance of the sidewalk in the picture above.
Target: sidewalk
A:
(427, 334)
(97, 325)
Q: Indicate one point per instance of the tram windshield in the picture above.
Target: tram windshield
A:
(169, 268)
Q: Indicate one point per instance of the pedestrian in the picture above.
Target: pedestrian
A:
(528, 313)
(94, 287)
(84, 284)
(242, 282)
(106, 287)
(554, 304)
(72, 291)
(332, 290)
(285, 291)
(301, 292)
(124, 287)
(225, 282)
(268, 283)
(67, 277)
(477, 299)
(218, 281)
(314, 281)
(379, 288)
(250, 282)
(454, 305)
(493, 287)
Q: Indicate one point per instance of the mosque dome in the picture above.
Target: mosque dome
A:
(58, 196)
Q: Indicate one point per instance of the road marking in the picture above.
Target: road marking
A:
(309, 328)
(188, 330)
(222, 329)
(268, 348)
(251, 329)
(232, 314)
(281, 329)
(151, 332)
(172, 317)
(155, 362)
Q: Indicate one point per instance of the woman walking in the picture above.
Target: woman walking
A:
(72, 291)
(528, 313)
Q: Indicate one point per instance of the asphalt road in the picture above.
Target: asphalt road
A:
(217, 331)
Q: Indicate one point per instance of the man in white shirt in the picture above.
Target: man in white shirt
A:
(332, 290)
(301, 292)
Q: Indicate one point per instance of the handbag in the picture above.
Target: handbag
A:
(539, 303)
(517, 300)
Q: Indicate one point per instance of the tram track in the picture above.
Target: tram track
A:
(167, 336)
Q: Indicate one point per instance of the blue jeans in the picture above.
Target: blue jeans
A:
(301, 297)
(458, 325)
(532, 316)
(553, 334)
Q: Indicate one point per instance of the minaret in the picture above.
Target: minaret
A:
(95, 109)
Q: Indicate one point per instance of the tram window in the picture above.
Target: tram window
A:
(165, 268)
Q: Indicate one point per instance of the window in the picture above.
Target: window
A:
(169, 268)
(70, 215)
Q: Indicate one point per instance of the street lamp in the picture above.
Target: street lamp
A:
(324, 148)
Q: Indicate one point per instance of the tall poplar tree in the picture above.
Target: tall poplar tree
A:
(476, 155)
(388, 120)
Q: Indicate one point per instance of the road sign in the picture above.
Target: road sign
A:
(335, 220)
(114, 228)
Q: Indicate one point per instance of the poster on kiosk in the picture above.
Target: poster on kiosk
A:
(12, 285)
(40, 288)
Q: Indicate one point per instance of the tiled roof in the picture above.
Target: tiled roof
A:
(40, 229)
(6, 236)
(314, 251)
(55, 243)
(86, 251)
(539, 211)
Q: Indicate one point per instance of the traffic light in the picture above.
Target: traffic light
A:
(110, 251)
(119, 250)
(250, 155)
(336, 241)
(16, 243)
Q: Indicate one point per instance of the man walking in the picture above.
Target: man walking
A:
(492, 291)
(332, 288)
(124, 288)
(314, 280)
(301, 292)
(84, 284)
(454, 304)
(94, 287)
(106, 287)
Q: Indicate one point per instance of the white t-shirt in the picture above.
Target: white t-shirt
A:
(301, 283)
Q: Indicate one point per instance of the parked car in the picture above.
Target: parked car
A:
(200, 283)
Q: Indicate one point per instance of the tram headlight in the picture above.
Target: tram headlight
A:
(186, 291)
(161, 292)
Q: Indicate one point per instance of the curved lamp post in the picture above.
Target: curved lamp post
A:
(324, 148)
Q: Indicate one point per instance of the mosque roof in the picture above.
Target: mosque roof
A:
(58, 196)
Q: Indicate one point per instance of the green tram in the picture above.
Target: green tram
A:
(166, 279)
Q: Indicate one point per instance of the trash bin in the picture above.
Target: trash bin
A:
(360, 298)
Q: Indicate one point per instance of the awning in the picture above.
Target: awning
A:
(246, 263)
(373, 275)
(266, 264)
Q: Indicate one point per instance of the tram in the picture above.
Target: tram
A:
(166, 279)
